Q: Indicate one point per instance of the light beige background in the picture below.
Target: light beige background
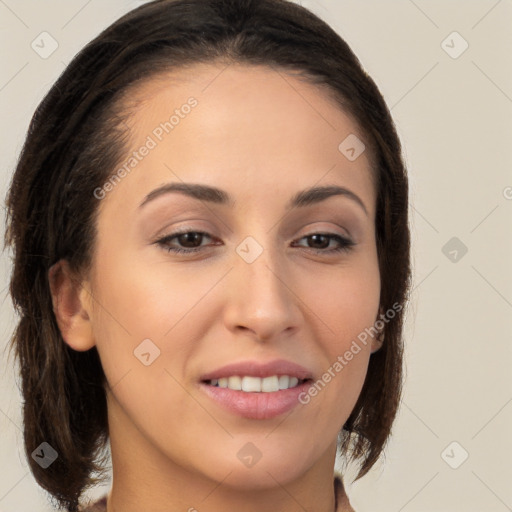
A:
(454, 116)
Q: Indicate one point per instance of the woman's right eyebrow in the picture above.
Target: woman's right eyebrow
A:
(194, 190)
(208, 193)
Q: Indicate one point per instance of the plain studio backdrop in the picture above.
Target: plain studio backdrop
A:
(445, 70)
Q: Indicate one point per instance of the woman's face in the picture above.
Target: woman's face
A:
(263, 287)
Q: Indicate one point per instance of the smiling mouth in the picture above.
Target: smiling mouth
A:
(250, 384)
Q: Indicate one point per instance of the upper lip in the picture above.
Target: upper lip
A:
(259, 369)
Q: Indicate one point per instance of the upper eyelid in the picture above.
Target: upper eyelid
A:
(350, 225)
(332, 234)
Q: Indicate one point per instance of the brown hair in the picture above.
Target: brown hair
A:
(74, 142)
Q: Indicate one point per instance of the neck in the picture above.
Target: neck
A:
(146, 479)
(194, 495)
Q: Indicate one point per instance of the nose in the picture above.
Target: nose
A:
(260, 299)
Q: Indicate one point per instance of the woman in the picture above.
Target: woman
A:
(209, 224)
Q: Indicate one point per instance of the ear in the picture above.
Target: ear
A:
(378, 340)
(72, 306)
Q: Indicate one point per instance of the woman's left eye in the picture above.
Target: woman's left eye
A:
(191, 241)
(323, 241)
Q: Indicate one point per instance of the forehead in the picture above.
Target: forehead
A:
(255, 124)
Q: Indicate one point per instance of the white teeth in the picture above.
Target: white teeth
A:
(284, 382)
(235, 383)
(269, 384)
(256, 384)
(251, 384)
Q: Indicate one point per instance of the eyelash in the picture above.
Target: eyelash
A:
(345, 244)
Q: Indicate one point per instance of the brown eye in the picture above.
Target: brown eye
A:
(320, 242)
(190, 239)
(184, 241)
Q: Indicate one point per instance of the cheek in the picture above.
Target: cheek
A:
(146, 323)
(344, 299)
(344, 306)
(156, 309)
(147, 295)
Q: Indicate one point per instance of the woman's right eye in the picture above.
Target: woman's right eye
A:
(190, 241)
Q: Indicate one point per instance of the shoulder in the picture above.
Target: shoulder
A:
(98, 506)
(342, 501)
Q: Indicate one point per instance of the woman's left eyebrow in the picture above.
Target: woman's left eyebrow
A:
(211, 194)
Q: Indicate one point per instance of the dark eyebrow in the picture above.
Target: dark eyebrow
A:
(215, 195)
(194, 190)
(316, 194)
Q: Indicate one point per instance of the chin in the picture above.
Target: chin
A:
(263, 475)
(250, 468)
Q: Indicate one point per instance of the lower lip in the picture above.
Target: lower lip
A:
(258, 405)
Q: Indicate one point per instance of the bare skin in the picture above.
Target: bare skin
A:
(262, 137)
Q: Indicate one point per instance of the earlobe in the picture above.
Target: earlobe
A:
(71, 306)
(377, 342)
